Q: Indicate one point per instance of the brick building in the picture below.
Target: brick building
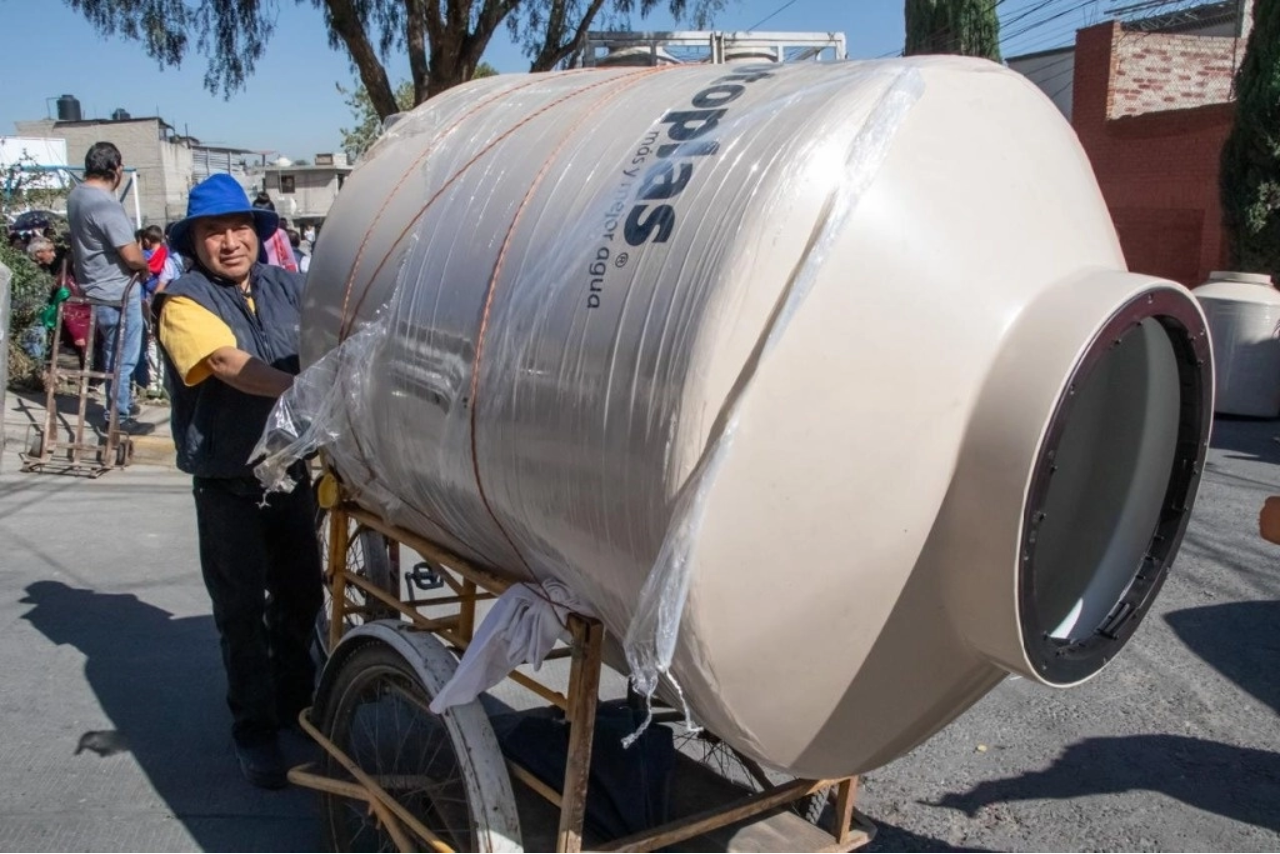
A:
(1053, 70)
(1151, 100)
(1153, 110)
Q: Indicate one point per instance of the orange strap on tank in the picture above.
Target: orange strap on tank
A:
(395, 189)
(626, 82)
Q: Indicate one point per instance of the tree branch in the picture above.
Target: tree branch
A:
(345, 21)
(553, 52)
(415, 35)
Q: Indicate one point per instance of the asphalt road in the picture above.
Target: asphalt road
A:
(116, 737)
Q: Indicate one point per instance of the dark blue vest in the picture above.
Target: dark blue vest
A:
(215, 427)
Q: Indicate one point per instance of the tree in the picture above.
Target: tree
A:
(444, 40)
(356, 140)
(1250, 169)
(965, 27)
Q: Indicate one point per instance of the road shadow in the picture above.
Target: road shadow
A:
(1248, 438)
(1239, 783)
(1241, 640)
(892, 838)
(159, 680)
(31, 406)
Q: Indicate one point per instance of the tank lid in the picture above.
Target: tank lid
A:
(1246, 278)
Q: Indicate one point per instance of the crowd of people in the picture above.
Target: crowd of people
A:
(95, 260)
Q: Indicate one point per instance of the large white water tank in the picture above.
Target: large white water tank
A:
(825, 381)
(1243, 310)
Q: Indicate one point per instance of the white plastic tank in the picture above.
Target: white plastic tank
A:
(1243, 311)
(636, 56)
(824, 385)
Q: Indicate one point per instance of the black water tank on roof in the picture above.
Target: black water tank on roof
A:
(119, 114)
(68, 109)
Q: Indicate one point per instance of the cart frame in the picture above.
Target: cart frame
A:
(465, 586)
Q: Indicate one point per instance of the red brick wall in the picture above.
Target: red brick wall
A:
(1158, 170)
(1156, 71)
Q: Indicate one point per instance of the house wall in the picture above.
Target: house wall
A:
(1158, 169)
(164, 168)
(314, 192)
(1053, 72)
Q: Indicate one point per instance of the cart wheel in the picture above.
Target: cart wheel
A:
(368, 555)
(708, 750)
(446, 770)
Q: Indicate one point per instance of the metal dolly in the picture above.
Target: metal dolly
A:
(50, 453)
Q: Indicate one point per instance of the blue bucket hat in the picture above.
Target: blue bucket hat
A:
(218, 195)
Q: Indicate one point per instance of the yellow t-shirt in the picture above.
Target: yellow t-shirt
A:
(190, 333)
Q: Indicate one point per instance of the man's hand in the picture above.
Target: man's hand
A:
(247, 373)
(1269, 520)
(131, 253)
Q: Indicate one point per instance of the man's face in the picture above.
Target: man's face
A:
(45, 257)
(226, 245)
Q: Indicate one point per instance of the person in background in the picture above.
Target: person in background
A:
(304, 260)
(146, 375)
(177, 263)
(229, 333)
(151, 239)
(280, 252)
(75, 318)
(263, 202)
(107, 257)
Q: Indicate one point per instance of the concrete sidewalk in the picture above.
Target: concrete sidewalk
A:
(25, 413)
(117, 737)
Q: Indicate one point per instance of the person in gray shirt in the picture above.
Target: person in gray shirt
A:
(107, 257)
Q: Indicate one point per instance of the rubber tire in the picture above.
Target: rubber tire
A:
(369, 661)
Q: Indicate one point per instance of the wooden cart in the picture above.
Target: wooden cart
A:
(395, 775)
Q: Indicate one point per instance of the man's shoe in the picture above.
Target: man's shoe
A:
(263, 764)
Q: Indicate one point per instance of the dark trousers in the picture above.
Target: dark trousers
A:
(261, 566)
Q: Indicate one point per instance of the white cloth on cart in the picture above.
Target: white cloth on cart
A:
(522, 627)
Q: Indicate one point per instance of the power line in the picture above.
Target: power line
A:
(773, 14)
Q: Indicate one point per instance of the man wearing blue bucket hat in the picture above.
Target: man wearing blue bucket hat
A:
(229, 333)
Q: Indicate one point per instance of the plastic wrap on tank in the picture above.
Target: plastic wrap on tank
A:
(331, 409)
(664, 335)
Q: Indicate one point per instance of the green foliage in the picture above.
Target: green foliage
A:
(28, 295)
(444, 41)
(357, 139)
(1250, 173)
(26, 188)
(232, 33)
(965, 27)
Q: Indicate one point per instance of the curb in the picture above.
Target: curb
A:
(154, 450)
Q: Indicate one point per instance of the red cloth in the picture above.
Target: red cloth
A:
(280, 251)
(75, 318)
(156, 262)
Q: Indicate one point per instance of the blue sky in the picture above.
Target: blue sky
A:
(291, 105)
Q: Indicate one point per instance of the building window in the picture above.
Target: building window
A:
(286, 183)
